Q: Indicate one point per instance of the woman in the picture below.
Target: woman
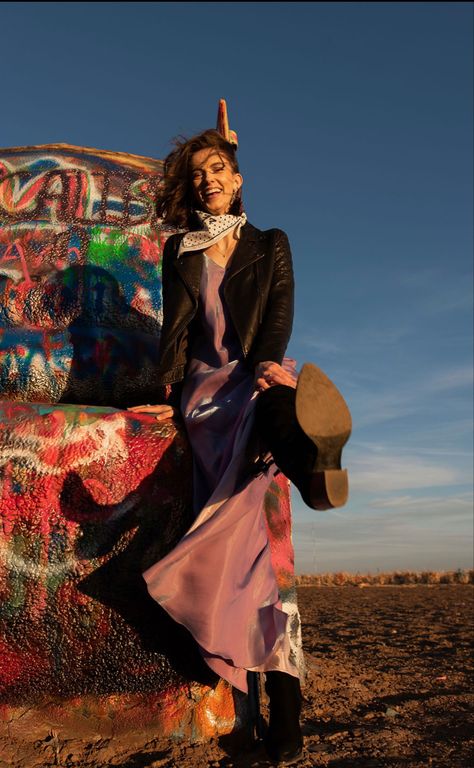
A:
(227, 318)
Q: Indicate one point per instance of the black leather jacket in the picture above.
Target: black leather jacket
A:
(258, 289)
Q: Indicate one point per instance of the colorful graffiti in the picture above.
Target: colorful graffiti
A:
(80, 291)
(90, 493)
(89, 498)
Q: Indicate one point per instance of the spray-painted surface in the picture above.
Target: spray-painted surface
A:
(77, 532)
(91, 495)
(80, 290)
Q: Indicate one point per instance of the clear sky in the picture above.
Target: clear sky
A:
(355, 125)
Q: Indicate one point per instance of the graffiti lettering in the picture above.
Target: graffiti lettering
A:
(76, 197)
(13, 252)
(34, 259)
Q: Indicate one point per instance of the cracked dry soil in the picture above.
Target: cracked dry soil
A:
(388, 686)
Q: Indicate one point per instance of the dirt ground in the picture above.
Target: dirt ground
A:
(388, 686)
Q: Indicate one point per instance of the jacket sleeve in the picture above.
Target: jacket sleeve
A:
(277, 321)
(166, 393)
(168, 251)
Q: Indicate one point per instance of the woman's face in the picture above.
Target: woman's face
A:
(214, 182)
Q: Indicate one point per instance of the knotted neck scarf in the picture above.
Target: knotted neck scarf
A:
(214, 228)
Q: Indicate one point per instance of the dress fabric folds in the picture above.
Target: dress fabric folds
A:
(218, 581)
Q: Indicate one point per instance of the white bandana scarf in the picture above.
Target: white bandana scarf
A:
(214, 228)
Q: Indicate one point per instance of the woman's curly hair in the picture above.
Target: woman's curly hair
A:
(175, 200)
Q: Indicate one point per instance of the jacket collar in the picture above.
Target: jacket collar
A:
(250, 248)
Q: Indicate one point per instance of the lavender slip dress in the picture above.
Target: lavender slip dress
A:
(219, 581)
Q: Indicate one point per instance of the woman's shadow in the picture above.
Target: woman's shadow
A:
(118, 582)
(114, 346)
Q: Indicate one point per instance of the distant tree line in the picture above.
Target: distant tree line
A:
(344, 579)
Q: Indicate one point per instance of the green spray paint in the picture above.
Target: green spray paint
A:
(106, 247)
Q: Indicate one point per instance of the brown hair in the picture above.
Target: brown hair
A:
(175, 198)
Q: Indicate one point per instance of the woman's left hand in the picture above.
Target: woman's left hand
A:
(160, 412)
(268, 373)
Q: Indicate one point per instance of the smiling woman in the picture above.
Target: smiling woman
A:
(205, 158)
(215, 181)
(227, 319)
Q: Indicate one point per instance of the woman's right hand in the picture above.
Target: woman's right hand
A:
(268, 374)
(160, 412)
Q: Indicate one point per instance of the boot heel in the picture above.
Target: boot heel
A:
(329, 489)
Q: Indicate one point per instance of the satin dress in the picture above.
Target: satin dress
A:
(218, 581)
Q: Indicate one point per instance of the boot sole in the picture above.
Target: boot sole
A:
(324, 417)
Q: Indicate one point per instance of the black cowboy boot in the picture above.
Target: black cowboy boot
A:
(305, 430)
(283, 740)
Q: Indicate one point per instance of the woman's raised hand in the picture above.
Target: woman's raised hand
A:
(160, 412)
(268, 373)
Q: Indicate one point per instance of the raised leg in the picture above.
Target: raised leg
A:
(305, 431)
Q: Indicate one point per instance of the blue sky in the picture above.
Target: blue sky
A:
(355, 128)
